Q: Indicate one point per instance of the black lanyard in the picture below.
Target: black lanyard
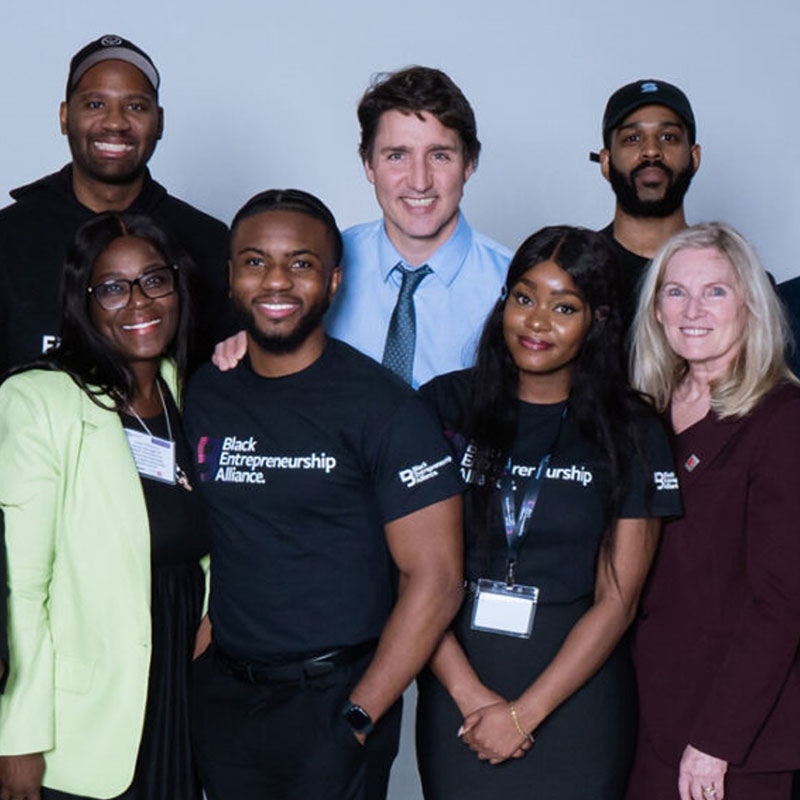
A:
(516, 525)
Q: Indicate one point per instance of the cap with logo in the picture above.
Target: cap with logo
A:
(106, 48)
(648, 92)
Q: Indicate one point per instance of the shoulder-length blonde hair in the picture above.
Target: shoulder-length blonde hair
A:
(761, 362)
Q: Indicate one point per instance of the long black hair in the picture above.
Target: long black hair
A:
(600, 401)
(83, 352)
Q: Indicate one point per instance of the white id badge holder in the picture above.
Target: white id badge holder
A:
(154, 457)
(504, 609)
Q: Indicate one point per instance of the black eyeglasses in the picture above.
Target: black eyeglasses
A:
(116, 293)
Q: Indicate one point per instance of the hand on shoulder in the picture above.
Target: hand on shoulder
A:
(229, 352)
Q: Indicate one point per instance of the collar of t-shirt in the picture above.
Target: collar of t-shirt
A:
(445, 263)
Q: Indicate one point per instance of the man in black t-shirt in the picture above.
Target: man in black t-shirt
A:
(336, 530)
(112, 120)
(649, 157)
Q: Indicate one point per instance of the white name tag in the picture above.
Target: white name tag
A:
(154, 457)
(508, 610)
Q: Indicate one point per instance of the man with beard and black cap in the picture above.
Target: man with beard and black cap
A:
(112, 120)
(649, 157)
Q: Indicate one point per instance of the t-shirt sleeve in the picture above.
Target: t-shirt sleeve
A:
(411, 464)
(447, 396)
(652, 480)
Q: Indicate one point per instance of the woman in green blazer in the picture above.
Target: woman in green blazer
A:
(103, 532)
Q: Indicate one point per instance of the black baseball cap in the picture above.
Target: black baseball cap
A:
(648, 92)
(106, 48)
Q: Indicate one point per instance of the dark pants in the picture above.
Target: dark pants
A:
(284, 740)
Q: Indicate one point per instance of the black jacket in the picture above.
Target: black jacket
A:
(789, 292)
(34, 232)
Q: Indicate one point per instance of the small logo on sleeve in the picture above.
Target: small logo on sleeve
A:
(665, 481)
(420, 473)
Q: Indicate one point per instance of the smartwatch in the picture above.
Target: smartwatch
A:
(357, 718)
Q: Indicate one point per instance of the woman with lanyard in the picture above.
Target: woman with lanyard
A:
(568, 473)
(104, 533)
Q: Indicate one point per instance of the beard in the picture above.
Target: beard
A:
(625, 190)
(114, 174)
(286, 342)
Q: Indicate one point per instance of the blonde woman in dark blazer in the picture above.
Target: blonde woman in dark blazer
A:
(716, 647)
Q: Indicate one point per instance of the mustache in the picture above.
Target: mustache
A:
(650, 165)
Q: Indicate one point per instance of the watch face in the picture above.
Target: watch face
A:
(358, 719)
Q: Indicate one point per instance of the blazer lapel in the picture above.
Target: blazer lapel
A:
(107, 461)
(699, 446)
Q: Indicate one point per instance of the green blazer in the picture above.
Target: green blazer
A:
(78, 545)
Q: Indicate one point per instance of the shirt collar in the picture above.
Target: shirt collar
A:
(445, 262)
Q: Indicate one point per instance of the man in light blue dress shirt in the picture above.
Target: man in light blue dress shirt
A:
(419, 146)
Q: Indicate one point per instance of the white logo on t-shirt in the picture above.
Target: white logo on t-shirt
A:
(420, 473)
(665, 481)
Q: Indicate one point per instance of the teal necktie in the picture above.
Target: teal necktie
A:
(398, 352)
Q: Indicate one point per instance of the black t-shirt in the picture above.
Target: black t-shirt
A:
(300, 475)
(559, 552)
(631, 271)
(789, 292)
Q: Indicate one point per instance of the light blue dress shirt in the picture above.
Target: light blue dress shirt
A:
(451, 303)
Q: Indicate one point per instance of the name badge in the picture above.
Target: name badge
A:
(504, 609)
(154, 457)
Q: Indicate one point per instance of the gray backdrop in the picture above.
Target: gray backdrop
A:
(263, 94)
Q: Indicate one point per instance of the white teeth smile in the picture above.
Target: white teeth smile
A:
(419, 202)
(277, 306)
(141, 325)
(695, 331)
(110, 147)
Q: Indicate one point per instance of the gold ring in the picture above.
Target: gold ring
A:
(709, 791)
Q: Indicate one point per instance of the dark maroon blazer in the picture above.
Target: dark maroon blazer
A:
(716, 645)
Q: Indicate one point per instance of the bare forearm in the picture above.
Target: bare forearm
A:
(424, 608)
(589, 643)
(451, 666)
(596, 634)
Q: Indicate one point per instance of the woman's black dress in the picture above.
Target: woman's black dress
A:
(583, 749)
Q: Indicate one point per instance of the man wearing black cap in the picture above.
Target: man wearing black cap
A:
(112, 121)
(649, 157)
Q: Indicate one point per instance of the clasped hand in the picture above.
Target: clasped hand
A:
(490, 732)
